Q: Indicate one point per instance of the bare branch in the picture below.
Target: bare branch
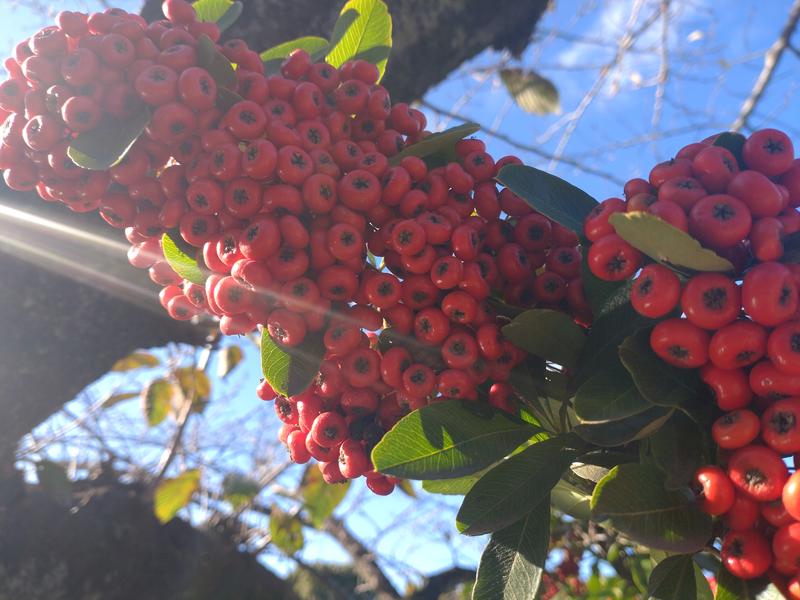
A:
(663, 69)
(527, 148)
(771, 59)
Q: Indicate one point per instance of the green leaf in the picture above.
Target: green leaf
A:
(173, 494)
(239, 489)
(226, 98)
(567, 498)
(512, 564)
(106, 145)
(665, 243)
(222, 12)
(290, 370)
(733, 588)
(286, 531)
(658, 382)
(447, 440)
(507, 492)
(535, 331)
(436, 143)
(115, 399)
(195, 384)
(184, 265)
(228, 359)
(215, 62)
(632, 497)
(136, 360)
(603, 296)
(623, 431)
(362, 31)
(54, 481)
(733, 142)
(319, 498)
(273, 57)
(451, 487)
(609, 395)
(679, 448)
(791, 248)
(607, 333)
(159, 396)
(548, 194)
(532, 92)
(677, 578)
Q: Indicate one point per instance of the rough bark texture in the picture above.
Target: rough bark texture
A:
(63, 329)
(430, 38)
(111, 547)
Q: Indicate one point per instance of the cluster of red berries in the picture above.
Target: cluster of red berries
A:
(740, 329)
(282, 184)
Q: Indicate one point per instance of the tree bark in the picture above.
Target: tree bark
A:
(431, 38)
(71, 307)
(111, 547)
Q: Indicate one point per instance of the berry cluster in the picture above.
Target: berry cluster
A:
(281, 185)
(740, 329)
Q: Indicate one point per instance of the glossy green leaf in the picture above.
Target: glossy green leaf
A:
(54, 481)
(506, 493)
(239, 489)
(512, 564)
(173, 494)
(215, 62)
(436, 143)
(226, 99)
(286, 531)
(632, 497)
(658, 382)
(290, 370)
(734, 142)
(159, 396)
(184, 265)
(405, 486)
(609, 395)
(623, 431)
(451, 487)
(532, 92)
(319, 498)
(601, 350)
(678, 449)
(273, 57)
(227, 359)
(362, 31)
(678, 578)
(665, 243)
(548, 334)
(447, 440)
(222, 12)
(136, 360)
(603, 296)
(548, 194)
(106, 145)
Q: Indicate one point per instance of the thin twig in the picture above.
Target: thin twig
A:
(527, 148)
(182, 419)
(625, 44)
(663, 68)
(771, 59)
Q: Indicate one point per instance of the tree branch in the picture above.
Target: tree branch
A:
(772, 58)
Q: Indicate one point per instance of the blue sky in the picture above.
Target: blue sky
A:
(714, 52)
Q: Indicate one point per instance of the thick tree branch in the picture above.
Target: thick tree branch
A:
(431, 38)
(772, 58)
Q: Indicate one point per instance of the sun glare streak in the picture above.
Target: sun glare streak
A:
(74, 253)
